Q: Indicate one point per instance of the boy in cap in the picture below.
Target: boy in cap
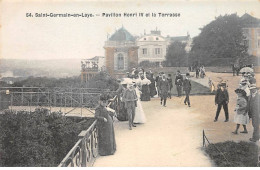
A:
(222, 99)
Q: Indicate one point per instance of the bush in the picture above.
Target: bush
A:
(242, 154)
(36, 138)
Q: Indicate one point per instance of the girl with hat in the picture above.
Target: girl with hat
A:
(241, 115)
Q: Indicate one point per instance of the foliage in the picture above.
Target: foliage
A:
(221, 39)
(176, 55)
(148, 64)
(49, 82)
(36, 138)
(242, 154)
(103, 81)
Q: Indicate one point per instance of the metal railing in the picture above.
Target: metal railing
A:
(85, 151)
(52, 97)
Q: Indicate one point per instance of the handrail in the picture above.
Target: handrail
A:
(85, 151)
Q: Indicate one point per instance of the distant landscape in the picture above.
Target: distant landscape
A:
(40, 68)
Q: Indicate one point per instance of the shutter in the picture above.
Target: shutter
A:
(115, 62)
(126, 62)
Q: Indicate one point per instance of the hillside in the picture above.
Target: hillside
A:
(39, 68)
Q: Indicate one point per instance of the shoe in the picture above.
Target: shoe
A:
(134, 125)
(161, 102)
(252, 140)
(244, 132)
(226, 120)
(234, 133)
(185, 103)
(215, 120)
(164, 105)
(189, 105)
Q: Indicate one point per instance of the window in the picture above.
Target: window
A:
(157, 51)
(157, 38)
(144, 51)
(120, 62)
(144, 38)
(258, 43)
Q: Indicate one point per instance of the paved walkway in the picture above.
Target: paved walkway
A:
(170, 137)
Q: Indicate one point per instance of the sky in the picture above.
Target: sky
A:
(45, 38)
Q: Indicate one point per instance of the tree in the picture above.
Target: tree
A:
(176, 55)
(221, 41)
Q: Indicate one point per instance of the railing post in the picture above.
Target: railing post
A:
(22, 96)
(30, 102)
(258, 145)
(203, 137)
(11, 101)
(38, 97)
(81, 102)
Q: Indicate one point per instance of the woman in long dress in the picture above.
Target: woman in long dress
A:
(106, 134)
(145, 96)
(139, 112)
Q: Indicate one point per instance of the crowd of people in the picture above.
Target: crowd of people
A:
(247, 104)
(142, 86)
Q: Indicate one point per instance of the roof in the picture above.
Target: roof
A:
(180, 38)
(249, 21)
(122, 35)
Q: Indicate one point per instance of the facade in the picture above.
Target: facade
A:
(120, 53)
(90, 67)
(251, 31)
(153, 46)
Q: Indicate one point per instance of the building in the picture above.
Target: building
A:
(153, 46)
(90, 67)
(251, 31)
(120, 53)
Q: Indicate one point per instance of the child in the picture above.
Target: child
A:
(222, 99)
(241, 116)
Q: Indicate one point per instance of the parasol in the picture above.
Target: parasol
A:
(246, 70)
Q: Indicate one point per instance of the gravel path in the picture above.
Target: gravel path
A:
(170, 137)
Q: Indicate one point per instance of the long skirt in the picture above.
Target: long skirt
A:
(241, 119)
(145, 96)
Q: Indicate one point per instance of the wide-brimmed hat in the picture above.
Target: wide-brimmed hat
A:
(252, 86)
(240, 91)
(222, 84)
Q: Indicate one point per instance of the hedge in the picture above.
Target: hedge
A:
(241, 154)
(37, 139)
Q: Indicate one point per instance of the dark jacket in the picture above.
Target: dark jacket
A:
(221, 96)
(186, 85)
(254, 109)
(179, 80)
(170, 82)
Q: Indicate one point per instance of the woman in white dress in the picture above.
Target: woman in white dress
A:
(139, 112)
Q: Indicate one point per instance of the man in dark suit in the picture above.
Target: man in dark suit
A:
(222, 99)
(158, 80)
(254, 109)
(178, 82)
(187, 89)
